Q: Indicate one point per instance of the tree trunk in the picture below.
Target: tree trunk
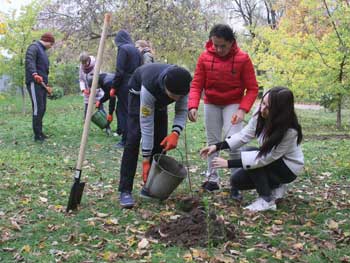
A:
(23, 100)
(339, 112)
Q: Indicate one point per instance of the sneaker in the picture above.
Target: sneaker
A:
(261, 205)
(126, 200)
(44, 136)
(145, 194)
(210, 186)
(235, 194)
(119, 145)
(39, 139)
(108, 131)
(279, 192)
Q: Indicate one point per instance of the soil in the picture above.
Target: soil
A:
(193, 229)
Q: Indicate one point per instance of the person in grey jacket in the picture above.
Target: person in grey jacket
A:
(37, 77)
(277, 161)
(153, 87)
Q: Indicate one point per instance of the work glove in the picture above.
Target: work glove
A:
(38, 79)
(86, 92)
(109, 118)
(97, 104)
(170, 142)
(49, 90)
(146, 166)
(112, 92)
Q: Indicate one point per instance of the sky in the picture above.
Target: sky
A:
(7, 5)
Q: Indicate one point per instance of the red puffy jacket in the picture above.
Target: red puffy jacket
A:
(225, 80)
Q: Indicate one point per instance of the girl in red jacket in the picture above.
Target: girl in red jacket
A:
(226, 75)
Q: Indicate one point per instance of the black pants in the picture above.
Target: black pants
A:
(38, 97)
(263, 179)
(122, 110)
(131, 149)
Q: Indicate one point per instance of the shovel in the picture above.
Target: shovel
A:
(77, 189)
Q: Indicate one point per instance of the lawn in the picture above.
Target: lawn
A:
(311, 223)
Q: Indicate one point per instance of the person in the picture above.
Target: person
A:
(105, 81)
(153, 87)
(146, 51)
(86, 72)
(36, 74)
(278, 160)
(226, 74)
(128, 59)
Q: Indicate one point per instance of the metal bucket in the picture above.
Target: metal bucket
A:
(164, 176)
(99, 118)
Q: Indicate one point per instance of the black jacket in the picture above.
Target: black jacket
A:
(36, 61)
(105, 82)
(128, 58)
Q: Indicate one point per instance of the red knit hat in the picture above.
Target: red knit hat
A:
(48, 37)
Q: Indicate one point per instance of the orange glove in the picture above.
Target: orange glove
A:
(109, 118)
(170, 142)
(97, 104)
(49, 90)
(146, 166)
(86, 92)
(112, 92)
(38, 79)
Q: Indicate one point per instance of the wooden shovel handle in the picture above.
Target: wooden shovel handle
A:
(84, 137)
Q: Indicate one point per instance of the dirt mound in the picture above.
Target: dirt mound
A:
(195, 228)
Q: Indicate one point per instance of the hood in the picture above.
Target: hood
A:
(88, 68)
(209, 46)
(122, 38)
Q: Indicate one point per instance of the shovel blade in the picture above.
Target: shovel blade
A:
(75, 196)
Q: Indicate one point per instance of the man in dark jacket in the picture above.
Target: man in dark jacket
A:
(128, 59)
(152, 88)
(37, 72)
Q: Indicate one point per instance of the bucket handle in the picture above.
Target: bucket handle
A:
(163, 153)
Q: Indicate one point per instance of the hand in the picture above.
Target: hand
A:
(49, 90)
(146, 166)
(86, 92)
(206, 151)
(38, 79)
(238, 117)
(97, 104)
(219, 162)
(112, 92)
(193, 115)
(170, 142)
(109, 118)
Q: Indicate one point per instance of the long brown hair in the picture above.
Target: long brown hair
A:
(281, 117)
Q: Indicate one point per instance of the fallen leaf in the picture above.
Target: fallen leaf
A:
(143, 243)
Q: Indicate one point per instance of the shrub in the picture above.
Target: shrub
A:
(57, 92)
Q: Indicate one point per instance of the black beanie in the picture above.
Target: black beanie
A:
(177, 80)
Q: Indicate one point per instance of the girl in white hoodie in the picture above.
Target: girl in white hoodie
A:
(279, 158)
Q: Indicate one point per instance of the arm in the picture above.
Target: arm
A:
(251, 161)
(30, 59)
(180, 114)
(250, 84)
(244, 136)
(82, 84)
(122, 61)
(197, 85)
(147, 121)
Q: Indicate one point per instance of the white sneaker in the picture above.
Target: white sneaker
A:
(261, 205)
(279, 192)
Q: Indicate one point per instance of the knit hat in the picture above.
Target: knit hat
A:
(177, 80)
(48, 37)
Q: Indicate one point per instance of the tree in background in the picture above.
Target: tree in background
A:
(17, 35)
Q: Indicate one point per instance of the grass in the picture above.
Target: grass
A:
(310, 225)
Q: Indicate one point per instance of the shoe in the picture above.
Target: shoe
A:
(279, 192)
(39, 139)
(126, 200)
(108, 131)
(235, 194)
(261, 205)
(145, 194)
(44, 136)
(210, 186)
(119, 145)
